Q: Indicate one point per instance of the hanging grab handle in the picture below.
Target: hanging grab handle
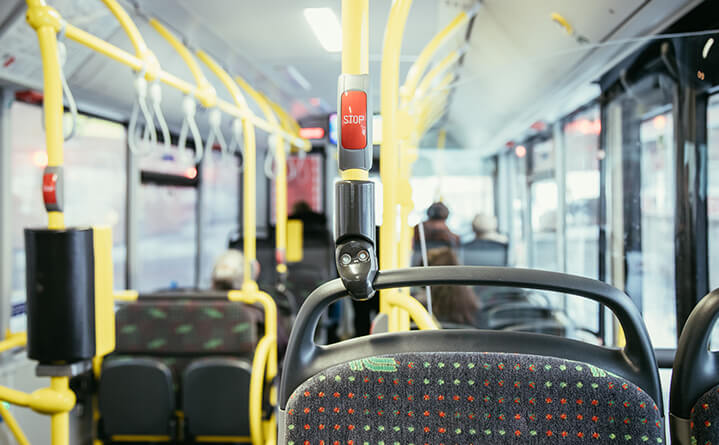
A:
(270, 157)
(62, 55)
(149, 135)
(156, 100)
(215, 120)
(235, 142)
(296, 168)
(189, 108)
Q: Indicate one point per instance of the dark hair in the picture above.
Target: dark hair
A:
(454, 304)
(438, 211)
(301, 207)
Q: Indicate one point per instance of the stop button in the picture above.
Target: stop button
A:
(354, 119)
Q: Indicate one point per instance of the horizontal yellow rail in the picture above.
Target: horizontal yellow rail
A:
(13, 340)
(50, 17)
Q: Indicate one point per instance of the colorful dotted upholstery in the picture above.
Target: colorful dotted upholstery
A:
(705, 419)
(469, 398)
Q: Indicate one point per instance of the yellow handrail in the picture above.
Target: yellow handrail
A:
(414, 308)
(436, 71)
(420, 65)
(49, 17)
(264, 365)
(13, 340)
(388, 154)
(13, 426)
(205, 92)
(281, 174)
(250, 152)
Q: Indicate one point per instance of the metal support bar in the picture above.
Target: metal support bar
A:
(6, 214)
(690, 223)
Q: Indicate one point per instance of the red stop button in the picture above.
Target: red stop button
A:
(49, 188)
(354, 120)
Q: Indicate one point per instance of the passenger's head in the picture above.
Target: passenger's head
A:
(453, 304)
(484, 223)
(301, 207)
(438, 211)
(229, 270)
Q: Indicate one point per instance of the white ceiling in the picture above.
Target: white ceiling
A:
(520, 66)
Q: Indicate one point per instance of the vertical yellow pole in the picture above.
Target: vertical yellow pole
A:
(52, 108)
(60, 422)
(249, 208)
(389, 161)
(355, 36)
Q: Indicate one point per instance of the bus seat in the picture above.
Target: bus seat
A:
(215, 397)
(470, 386)
(482, 252)
(136, 397)
(694, 393)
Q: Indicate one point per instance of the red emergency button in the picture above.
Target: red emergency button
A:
(354, 120)
(49, 188)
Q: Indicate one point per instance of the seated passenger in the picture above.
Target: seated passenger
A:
(451, 304)
(485, 228)
(489, 248)
(436, 231)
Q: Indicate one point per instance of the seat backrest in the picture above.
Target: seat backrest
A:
(694, 393)
(136, 397)
(482, 252)
(470, 386)
(216, 397)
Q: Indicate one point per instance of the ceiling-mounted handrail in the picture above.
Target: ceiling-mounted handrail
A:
(420, 65)
(138, 61)
(205, 91)
(438, 70)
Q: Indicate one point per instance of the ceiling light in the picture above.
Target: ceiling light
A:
(326, 27)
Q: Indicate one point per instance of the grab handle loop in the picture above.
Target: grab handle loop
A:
(215, 121)
(270, 157)
(296, 168)
(235, 142)
(149, 135)
(156, 100)
(189, 108)
(67, 93)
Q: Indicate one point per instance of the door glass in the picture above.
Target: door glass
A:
(543, 194)
(581, 139)
(657, 227)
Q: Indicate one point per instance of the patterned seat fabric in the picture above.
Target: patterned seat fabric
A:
(185, 327)
(469, 398)
(705, 419)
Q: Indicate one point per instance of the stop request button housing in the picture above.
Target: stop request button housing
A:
(355, 128)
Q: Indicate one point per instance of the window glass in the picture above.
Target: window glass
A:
(166, 241)
(543, 194)
(95, 188)
(221, 187)
(581, 142)
(657, 226)
(518, 252)
(713, 200)
(462, 179)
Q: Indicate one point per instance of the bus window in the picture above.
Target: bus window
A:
(220, 188)
(543, 195)
(167, 234)
(95, 155)
(657, 222)
(713, 199)
(462, 179)
(581, 140)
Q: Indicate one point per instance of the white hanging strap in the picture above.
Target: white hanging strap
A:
(292, 168)
(297, 166)
(67, 93)
(235, 145)
(189, 108)
(270, 157)
(156, 100)
(423, 250)
(215, 121)
(149, 135)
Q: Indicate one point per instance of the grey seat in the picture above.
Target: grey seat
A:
(470, 386)
(136, 398)
(482, 252)
(694, 394)
(215, 397)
